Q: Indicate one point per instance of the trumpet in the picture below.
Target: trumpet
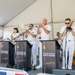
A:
(38, 26)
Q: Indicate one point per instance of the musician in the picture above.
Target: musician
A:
(68, 33)
(31, 37)
(15, 34)
(58, 38)
(1, 34)
(44, 30)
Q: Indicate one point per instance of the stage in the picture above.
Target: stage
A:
(32, 72)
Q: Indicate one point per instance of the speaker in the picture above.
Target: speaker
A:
(63, 72)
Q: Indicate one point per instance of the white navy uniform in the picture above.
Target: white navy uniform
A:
(32, 41)
(44, 36)
(1, 33)
(15, 34)
(68, 48)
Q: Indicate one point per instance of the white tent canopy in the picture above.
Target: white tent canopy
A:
(54, 10)
(11, 8)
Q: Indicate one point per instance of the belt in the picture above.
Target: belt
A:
(70, 40)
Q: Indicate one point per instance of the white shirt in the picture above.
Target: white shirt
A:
(1, 33)
(69, 34)
(14, 35)
(59, 40)
(45, 36)
(31, 38)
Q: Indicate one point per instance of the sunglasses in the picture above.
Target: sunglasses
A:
(67, 23)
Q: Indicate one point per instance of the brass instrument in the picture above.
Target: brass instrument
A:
(12, 40)
(17, 37)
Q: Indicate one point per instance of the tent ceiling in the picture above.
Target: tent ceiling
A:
(11, 8)
(63, 9)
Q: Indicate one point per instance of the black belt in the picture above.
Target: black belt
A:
(69, 40)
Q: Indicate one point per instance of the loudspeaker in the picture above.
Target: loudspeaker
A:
(63, 72)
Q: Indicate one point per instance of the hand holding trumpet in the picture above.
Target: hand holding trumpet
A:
(39, 26)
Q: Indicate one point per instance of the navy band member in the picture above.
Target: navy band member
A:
(68, 33)
(44, 30)
(1, 34)
(15, 34)
(31, 37)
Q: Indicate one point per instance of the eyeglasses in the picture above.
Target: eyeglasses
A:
(67, 23)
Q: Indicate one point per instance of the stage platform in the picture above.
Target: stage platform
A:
(44, 74)
(32, 72)
(39, 71)
(63, 72)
